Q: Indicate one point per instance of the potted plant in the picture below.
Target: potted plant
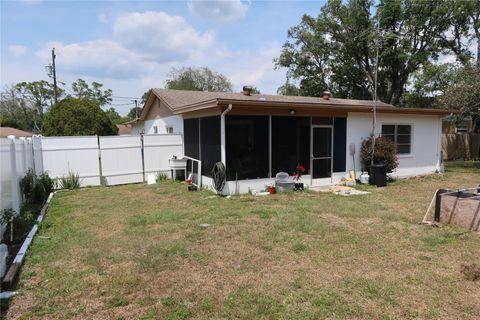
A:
(271, 189)
(385, 156)
(297, 175)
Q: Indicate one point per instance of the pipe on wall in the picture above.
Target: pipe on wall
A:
(223, 150)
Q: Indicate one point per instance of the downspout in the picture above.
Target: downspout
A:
(223, 150)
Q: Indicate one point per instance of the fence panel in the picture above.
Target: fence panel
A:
(61, 155)
(461, 146)
(158, 148)
(121, 159)
(6, 173)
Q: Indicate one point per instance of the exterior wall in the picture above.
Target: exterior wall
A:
(259, 185)
(175, 121)
(426, 141)
(161, 117)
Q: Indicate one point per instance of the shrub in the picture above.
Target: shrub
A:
(47, 182)
(70, 181)
(18, 225)
(161, 176)
(385, 153)
(36, 189)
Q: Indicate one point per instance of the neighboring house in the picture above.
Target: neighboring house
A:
(449, 125)
(7, 131)
(257, 136)
(124, 129)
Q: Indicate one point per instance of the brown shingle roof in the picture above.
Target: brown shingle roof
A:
(124, 129)
(7, 131)
(178, 99)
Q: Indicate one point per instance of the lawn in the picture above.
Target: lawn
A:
(140, 252)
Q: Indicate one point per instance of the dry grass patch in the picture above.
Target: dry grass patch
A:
(139, 252)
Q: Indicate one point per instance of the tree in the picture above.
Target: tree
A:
(464, 95)
(37, 96)
(145, 96)
(134, 113)
(78, 117)
(255, 91)
(114, 116)
(337, 50)
(15, 112)
(82, 90)
(288, 89)
(198, 79)
(428, 84)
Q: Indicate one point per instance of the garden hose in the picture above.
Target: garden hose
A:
(218, 176)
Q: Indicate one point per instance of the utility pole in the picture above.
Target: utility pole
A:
(54, 75)
(374, 123)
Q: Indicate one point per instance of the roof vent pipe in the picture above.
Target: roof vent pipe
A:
(326, 95)
(247, 90)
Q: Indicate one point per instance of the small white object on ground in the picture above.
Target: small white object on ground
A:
(204, 225)
(7, 294)
(262, 193)
(340, 190)
(3, 259)
(151, 179)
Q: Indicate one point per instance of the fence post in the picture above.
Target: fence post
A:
(37, 154)
(103, 182)
(14, 183)
(143, 156)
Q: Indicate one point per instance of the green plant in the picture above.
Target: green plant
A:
(20, 224)
(6, 218)
(36, 188)
(385, 153)
(47, 182)
(70, 181)
(27, 186)
(161, 176)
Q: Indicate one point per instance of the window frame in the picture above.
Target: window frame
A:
(412, 131)
(169, 129)
(155, 129)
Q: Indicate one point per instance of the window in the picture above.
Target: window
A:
(155, 129)
(401, 135)
(169, 129)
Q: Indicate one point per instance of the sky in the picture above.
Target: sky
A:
(131, 46)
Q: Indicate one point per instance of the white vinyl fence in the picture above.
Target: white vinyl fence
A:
(97, 160)
(109, 160)
(16, 157)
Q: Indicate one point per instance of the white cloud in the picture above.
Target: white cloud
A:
(159, 36)
(219, 10)
(101, 58)
(17, 50)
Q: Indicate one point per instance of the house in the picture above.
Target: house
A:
(8, 131)
(257, 135)
(124, 129)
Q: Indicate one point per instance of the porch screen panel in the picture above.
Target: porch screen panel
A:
(191, 138)
(340, 144)
(246, 139)
(209, 143)
(290, 144)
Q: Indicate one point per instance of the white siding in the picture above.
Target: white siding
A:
(174, 121)
(426, 142)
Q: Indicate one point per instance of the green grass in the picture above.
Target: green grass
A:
(139, 252)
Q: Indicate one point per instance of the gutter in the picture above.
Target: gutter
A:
(223, 149)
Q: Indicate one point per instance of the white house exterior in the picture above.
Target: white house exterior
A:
(224, 119)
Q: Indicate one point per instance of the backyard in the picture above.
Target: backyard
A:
(161, 252)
